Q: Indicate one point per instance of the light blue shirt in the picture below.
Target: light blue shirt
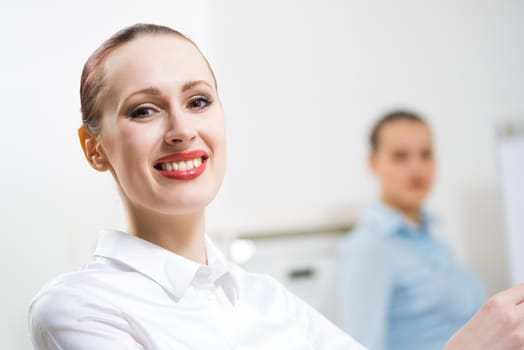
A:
(401, 289)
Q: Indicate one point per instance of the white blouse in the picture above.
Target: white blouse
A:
(137, 295)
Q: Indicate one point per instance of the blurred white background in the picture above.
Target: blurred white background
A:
(301, 83)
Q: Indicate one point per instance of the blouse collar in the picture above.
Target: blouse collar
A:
(173, 272)
(387, 220)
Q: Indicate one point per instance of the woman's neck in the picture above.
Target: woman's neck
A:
(412, 214)
(181, 234)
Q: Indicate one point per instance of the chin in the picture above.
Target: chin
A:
(184, 206)
(179, 203)
(415, 202)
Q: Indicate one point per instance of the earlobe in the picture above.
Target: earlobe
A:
(93, 150)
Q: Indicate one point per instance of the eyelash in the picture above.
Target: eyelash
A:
(145, 111)
(135, 113)
(199, 99)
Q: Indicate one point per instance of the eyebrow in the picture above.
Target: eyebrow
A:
(156, 92)
(191, 84)
(150, 91)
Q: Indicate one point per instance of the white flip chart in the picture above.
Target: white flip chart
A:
(511, 163)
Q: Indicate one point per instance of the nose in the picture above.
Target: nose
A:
(416, 164)
(180, 130)
(419, 165)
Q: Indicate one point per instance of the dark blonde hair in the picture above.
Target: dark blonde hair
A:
(92, 82)
(390, 117)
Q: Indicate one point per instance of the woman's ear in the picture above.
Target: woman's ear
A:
(372, 162)
(93, 151)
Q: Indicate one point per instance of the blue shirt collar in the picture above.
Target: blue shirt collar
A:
(386, 220)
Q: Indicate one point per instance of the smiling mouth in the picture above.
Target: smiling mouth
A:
(181, 165)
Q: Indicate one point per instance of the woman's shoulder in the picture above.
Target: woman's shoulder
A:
(84, 286)
(88, 275)
(81, 304)
(363, 237)
(364, 246)
(67, 283)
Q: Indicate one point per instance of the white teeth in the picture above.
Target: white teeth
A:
(182, 165)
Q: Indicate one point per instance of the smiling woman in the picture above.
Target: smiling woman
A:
(152, 118)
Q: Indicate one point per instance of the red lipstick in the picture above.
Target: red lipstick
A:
(176, 166)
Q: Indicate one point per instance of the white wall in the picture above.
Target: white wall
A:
(301, 83)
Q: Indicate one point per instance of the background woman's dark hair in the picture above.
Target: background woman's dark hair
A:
(92, 82)
(389, 118)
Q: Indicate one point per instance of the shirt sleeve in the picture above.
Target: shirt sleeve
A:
(366, 281)
(66, 320)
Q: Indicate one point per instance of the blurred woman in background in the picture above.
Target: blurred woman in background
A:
(401, 288)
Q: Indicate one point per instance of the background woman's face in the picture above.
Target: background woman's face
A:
(404, 163)
(161, 101)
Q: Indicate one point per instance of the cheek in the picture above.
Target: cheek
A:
(219, 151)
(215, 136)
(395, 174)
(429, 170)
(431, 173)
(129, 145)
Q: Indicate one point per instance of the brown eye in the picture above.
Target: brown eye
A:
(198, 102)
(427, 155)
(142, 112)
(400, 156)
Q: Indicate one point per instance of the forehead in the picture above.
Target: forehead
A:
(405, 133)
(160, 60)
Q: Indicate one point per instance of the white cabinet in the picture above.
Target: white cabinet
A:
(304, 263)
